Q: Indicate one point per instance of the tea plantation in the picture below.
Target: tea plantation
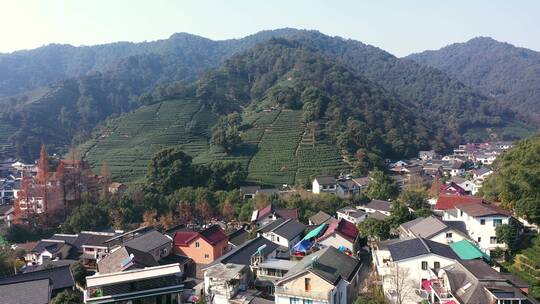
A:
(275, 148)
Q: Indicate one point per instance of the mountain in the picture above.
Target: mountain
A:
(26, 70)
(497, 69)
(297, 106)
(108, 80)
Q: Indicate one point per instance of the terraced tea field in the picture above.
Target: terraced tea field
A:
(130, 141)
(6, 131)
(274, 148)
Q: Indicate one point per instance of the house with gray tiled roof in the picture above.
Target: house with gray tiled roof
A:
(435, 229)
(325, 276)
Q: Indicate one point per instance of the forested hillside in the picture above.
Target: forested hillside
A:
(296, 104)
(183, 56)
(494, 68)
(516, 181)
(114, 77)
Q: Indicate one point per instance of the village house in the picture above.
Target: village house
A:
(377, 206)
(340, 234)
(125, 258)
(204, 246)
(238, 237)
(150, 284)
(223, 282)
(283, 232)
(268, 271)
(324, 184)
(434, 229)
(481, 221)
(351, 214)
(403, 265)
(270, 213)
(325, 276)
(59, 279)
(48, 249)
(450, 201)
(474, 282)
(321, 217)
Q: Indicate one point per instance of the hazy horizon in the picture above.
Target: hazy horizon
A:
(399, 27)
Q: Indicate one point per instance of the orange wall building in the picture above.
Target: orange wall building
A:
(203, 247)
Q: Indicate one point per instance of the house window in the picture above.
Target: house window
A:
(307, 284)
(482, 222)
(277, 238)
(436, 265)
(479, 239)
(206, 256)
(424, 265)
(497, 222)
(197, 245)
(449, 235)
(294, 300)
(493, 240)
(306, 301)
(461, 212)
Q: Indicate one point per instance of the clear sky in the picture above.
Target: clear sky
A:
(398, 26)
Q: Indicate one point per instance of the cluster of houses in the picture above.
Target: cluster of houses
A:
(274, 258)
(277, 258)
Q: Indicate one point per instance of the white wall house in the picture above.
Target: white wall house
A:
(324, 184)
(409, 262)
(481, 221)
(351, 214)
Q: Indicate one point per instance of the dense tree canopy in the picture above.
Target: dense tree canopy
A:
(516, 180)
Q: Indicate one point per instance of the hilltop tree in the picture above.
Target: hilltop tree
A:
(374, 229)
(226, 132)
(169, 169)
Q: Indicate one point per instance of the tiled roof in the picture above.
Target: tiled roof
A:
(342, 227)
(213, 234)
(239, 237)
(148, 241)
(329, 263)
(419, 246)
(123, 258)
(242, 254)
(445, 202)
(326, 180)
(60, 277)
(28, 292)
(379, 205)
(483, 209)
(321, 217)
(289, 229)
(288, 214)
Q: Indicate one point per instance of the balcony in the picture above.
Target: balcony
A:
(300, 293)
(441, 291)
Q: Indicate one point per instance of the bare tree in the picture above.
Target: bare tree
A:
(400, 285)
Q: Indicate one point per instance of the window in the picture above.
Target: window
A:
(461, 212)
(294, 300)
(197, 245)
(493, 240)
(482, 222)
(449, 235)
(497, 222)
(424, 265)
(479, 239)
(277, 238)
(307, 284)
(436, 265)
(306, 301)
(206, 256)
